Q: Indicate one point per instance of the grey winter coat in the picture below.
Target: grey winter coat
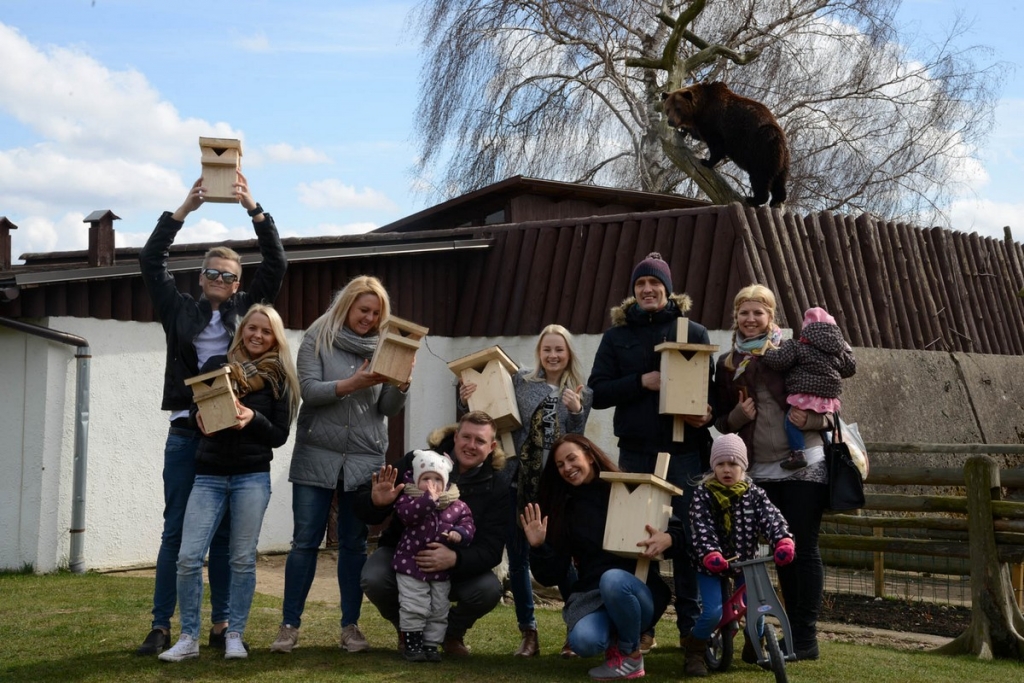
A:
(336, 437)
(529, 396)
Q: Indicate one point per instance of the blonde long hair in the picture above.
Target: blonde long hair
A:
(759, 294)
(327, 326)
(284, 351)
(573, 374)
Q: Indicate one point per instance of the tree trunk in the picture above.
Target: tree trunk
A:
(996, 621)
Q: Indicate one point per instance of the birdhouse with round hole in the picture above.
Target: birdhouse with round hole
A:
(637, 501)
(397, 344)
(222, 159)
(684, 378)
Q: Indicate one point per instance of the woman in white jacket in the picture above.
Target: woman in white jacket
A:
(341, 439)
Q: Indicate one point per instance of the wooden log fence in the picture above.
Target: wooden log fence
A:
(978, 527)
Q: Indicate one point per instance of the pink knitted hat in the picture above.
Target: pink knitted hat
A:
(729, 448)
(818, 315)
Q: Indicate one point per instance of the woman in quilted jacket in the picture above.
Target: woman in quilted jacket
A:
(340, 441)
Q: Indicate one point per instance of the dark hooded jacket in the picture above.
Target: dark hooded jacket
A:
(485, 489)
(625, 354)
(815, 364)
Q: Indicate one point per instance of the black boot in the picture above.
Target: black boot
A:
(414, 647)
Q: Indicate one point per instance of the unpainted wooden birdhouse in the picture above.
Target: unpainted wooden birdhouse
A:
(637, 500)
(684, 378)
(491, 371)
(222, 158)
(213, 393)
(397, 344)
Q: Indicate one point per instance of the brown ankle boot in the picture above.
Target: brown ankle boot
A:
(530, 646)
(695, 648)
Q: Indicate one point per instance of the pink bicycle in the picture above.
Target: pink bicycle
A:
(756, 591)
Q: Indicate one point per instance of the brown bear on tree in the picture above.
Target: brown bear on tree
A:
(736, 127)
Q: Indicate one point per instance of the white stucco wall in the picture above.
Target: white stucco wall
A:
(127, 429)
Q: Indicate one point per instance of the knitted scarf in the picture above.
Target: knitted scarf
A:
(347, 340)
(724, 496)
(531, 455)
(450, 495)
(249, 375)
(755, 346)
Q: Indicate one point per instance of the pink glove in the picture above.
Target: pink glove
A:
(785, 552)
(715, 563)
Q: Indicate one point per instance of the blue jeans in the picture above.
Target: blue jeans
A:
(794, 435)
(243, 497)
(683, 471)
(179, 473)
(711, 600)
(628, 610)
(311, 505)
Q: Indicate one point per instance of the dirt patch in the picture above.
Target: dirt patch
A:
(914, 616)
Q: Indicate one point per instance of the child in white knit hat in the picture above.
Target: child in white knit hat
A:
(432, 513)
(728, 514)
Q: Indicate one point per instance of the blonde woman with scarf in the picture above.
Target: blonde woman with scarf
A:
(553, 401)
(751, 402)
(233, 475)
(728, 515)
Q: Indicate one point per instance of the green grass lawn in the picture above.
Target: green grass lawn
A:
(68, 628)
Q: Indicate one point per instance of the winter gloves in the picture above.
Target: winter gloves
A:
(715, 563)
(785, 552)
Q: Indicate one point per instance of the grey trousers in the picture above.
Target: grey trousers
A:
(423, 606)
(474, 596)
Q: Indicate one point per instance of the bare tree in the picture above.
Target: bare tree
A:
(571, 90)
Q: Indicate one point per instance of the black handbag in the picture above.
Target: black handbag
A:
(845, 483)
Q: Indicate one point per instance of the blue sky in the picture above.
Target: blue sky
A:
(102, 104)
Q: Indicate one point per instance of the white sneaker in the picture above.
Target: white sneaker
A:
(185, 648)
(233, 646)
(287, 639)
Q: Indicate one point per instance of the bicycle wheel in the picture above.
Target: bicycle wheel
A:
(775, 658)
(718, 655)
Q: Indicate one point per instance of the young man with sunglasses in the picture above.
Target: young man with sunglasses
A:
(197, 330)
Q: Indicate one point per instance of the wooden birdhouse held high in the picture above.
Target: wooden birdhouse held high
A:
(397, 344)
(684, 378)
(222, 158)
(216, 400)
(637, 500)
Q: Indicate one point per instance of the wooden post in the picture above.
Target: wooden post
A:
(879, 532)
(635, 501)
(1017, 577)
(684, 378)
(996, 621)
(221, 159)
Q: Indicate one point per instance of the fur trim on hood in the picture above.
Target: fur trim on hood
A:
(618, 313)
(439, 435)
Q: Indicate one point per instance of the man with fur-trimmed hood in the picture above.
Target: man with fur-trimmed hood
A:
(626, 376)
(479, 472)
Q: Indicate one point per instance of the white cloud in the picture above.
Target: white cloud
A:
(987, 218)
(334, 229)
(40, 235)
(333, 194)
(254, 43)
(284, 153)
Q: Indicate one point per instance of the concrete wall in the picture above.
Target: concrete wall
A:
(896, 396)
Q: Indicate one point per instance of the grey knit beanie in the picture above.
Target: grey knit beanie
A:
(729, 448)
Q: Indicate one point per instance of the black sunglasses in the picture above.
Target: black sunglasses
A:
(226, 275)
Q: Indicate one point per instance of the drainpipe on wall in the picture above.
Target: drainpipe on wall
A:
(82, 355)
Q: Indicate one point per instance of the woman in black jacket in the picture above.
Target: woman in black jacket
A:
(609, 607)
(233, 475)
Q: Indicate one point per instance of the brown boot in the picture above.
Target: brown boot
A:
(695, 649)
(530, 646)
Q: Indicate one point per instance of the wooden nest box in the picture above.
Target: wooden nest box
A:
(222, 159)
(491, 371)
(397, 344)
(684, 378)
(637, 500)
(216, 400)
